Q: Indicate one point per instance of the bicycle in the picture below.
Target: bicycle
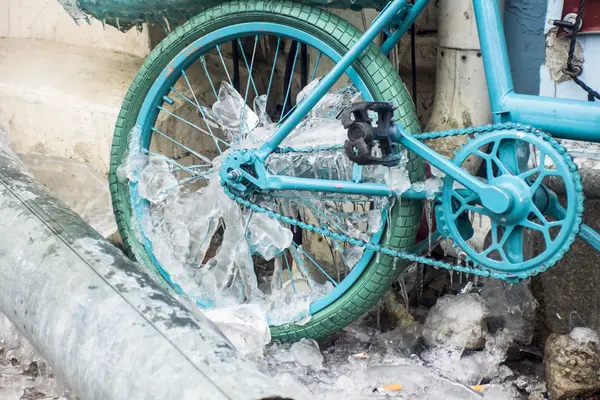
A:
(345, 218)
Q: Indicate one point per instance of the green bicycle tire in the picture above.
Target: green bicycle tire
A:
(381, 80)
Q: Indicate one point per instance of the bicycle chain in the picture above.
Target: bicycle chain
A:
(485, 129)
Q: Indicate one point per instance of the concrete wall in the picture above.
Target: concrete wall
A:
(553, 82)
(46, 20)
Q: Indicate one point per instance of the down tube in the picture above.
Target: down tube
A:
(330, 79)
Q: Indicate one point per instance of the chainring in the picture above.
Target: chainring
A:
(505, 155)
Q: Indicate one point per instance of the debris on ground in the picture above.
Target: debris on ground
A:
(25, 375)
(573, 364)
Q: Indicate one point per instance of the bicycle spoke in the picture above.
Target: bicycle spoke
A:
(189, 169)
(250, 67)
(199, 156)
(203, 62)
(291, 80)
(250, 80)
(274, 66)
(224, 66)
(210, 132)
(287, 264)
(193, 126)
(316, 264)
(312, 78)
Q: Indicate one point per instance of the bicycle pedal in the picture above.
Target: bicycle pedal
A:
(364, 134)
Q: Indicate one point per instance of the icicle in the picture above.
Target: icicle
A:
(379, 315)
(118, 25)
(302, 267)
(103, 20)
(451, 278)
(429, 224)
(277, 279)
(167, 23)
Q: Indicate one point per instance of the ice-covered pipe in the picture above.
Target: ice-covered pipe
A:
(104, 325)
(461, 97)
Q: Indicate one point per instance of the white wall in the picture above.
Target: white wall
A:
(47, 20)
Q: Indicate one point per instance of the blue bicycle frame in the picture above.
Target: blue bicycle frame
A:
(568, 119)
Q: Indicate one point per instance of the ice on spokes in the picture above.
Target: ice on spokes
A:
(234, 115)
(205, 241)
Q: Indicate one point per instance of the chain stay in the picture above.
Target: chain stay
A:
(413, 257)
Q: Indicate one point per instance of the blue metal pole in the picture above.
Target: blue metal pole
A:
(494, 53)
(330, 79)
(410, 17)
(563, 118)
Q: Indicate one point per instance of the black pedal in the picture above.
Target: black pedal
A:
(363, 136)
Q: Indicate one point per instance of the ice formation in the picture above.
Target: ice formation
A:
(23, 371)
(5, 145)
(364, 363)
(206, 242)
(457, 329)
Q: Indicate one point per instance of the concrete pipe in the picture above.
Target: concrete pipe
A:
(461, 97)
(104, 325)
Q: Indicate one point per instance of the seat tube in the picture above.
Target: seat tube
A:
(495, 56)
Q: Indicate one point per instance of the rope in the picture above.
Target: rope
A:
(575, 70)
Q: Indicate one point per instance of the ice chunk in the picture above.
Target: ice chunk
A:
(430, 187)
(352, 254)
(293, 388)
(260, 109)
(236, 118)
(437, 172)
(333, 103)
(316, 133)
(156, 180)
(134, 160)
(457, 322)
(244, 325)
(398, 180)
(23, 370)
(306, 354)
(471, 367)
(512, 307)
(501, 392)
(584, 336)
(267, 236)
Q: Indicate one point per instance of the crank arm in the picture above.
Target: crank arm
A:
(492, 198)
(586, 233)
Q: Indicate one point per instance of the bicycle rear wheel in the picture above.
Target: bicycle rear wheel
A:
(175, 126)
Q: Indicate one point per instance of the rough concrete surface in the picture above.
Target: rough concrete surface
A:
(62, 100)
(47, 20)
